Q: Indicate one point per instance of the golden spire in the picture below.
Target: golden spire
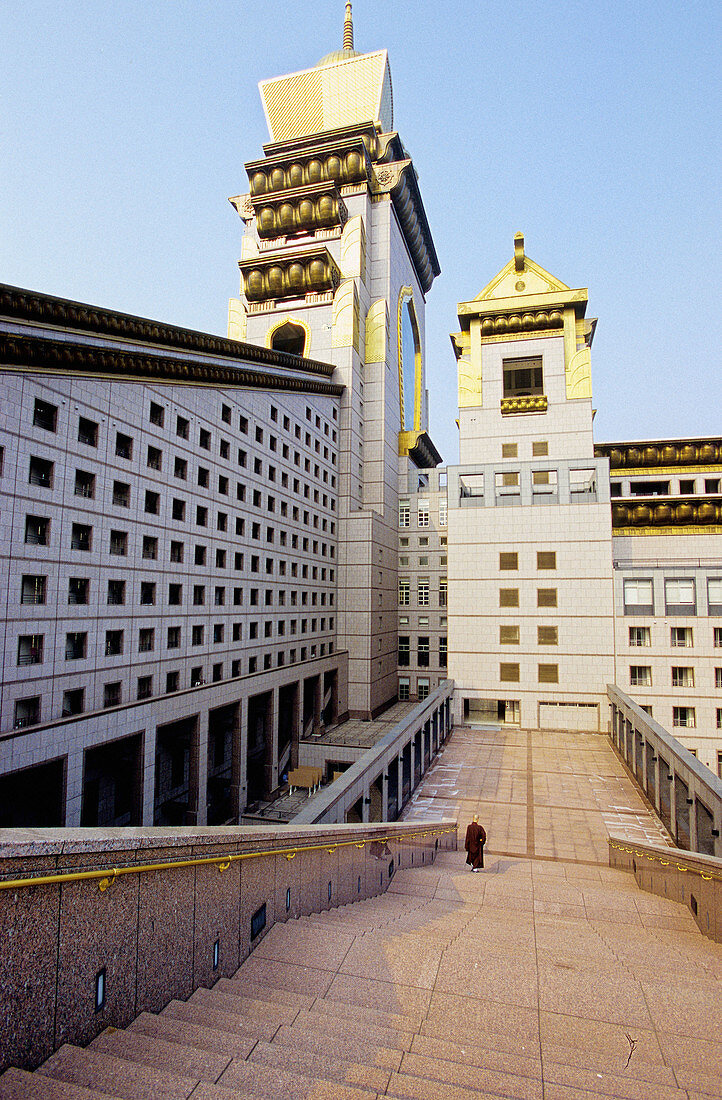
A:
(348, 28)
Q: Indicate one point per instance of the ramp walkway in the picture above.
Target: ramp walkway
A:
(548, 976)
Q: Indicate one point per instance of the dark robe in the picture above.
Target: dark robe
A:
(474, 845)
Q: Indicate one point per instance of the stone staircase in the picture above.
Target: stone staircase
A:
(535, 980)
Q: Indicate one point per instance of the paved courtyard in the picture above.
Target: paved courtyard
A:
(547, 794)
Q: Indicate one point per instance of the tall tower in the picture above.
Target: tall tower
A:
(530, 579)
(337, 259)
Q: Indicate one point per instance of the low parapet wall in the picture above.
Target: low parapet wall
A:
(398, 762)
(685, 794)
(98, 926)
(692, 880)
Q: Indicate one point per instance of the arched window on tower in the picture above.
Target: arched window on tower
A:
(290, 338)
(410, 366)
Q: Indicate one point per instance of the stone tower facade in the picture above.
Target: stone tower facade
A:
(337, 259)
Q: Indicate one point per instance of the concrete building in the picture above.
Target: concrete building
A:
(568, 565)
(214, 548)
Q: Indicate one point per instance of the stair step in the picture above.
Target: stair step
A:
(261, 992)
(106, 1073)
(244, 1006)
(189, 1034)
(590, 1059)
(150, 1050)
(395, 1020)
(341, 1047)
(609, 1084)
(285, 975)
(525, 1063)
(405, 1087)
(19, 1084)
(501, 1083)
(263, 1081)
(329, 1025)
(303, 1062)
(217, 1018)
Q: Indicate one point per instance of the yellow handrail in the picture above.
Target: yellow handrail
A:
(108, 875)
(665, 862)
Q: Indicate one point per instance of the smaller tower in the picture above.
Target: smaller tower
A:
(530, 586)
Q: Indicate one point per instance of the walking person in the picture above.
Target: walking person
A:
(474, 844)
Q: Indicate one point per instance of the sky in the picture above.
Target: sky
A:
(592, 128)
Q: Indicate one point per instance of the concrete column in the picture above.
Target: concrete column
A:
(317, 704)
(365, 805)
(198, 771)
(385, 795)
(692, 822)
(238, 761)
(148, 793)
(297, 725)
(271, 754)
(400, 780)
(73, 789)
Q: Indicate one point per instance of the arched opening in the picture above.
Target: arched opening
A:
(290, 338)
(410, 364)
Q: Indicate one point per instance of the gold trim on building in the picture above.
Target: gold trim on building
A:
(535, 403)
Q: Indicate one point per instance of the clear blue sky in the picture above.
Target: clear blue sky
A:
(594, 128)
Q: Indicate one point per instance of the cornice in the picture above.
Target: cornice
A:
(660, 455)
(289, 273)
(420, 448)
(19, 304)
(524, 304)
(679, 514)
(30, 353)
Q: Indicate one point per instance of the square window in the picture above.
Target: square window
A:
(155, 458)
(548, 674)
(638, 597)
(509, 635)
(41, 473)
(509, 672)
(37, 530)
(546, 559)
(150, 547)
(87, 432)
(508, 597)
(84, 484)
(682, 676)
(547, 635)
(145, 687)
(45, 415)
(639, 636)
(123, 445)
(546, 597)
(181, 427)
(508, 560)
(640, 675)
(523, 377)
(81, 537)
(539, 448)
(33, 588)
(510, 450)
(679, 595)
(157, 414)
